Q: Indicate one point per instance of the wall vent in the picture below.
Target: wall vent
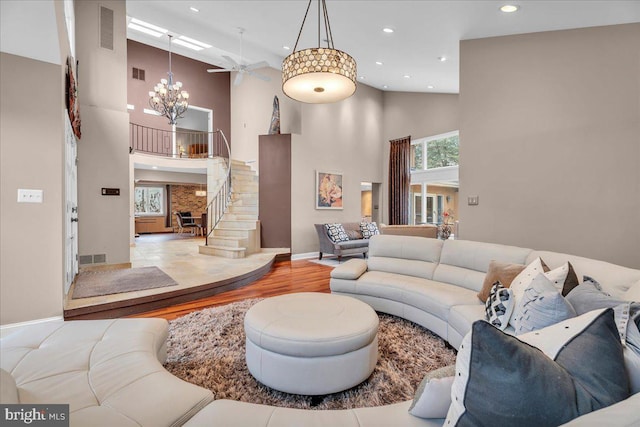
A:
(106, 28)
(138, 74)
(92, 259)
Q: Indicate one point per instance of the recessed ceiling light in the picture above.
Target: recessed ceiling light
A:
(361, 77)
(430, 87)
(407, 76)
(193, 9)
(286, 47)
(442, 58)
(154, 167)
(378, 63)
(384, 86)
(509, 8)
(388, 30)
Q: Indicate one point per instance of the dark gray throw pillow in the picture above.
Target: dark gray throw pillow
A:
(587, 374)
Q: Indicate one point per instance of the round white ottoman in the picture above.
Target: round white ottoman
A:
(311, 343)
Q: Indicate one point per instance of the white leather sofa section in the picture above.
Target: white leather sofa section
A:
(229, 413)
(434, 283)
(109, 371)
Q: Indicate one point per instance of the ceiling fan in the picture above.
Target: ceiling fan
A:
(241, 68)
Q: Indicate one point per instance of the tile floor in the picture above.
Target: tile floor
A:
(177, 255)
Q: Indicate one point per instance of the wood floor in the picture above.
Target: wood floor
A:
(285, 277)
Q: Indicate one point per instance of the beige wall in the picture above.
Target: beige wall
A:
(103, 150)
(37, 162)
(418, 115)
(341, 137)
(550, 141)
(251, 109)
(31, 157)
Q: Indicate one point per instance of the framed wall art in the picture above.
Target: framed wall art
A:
(328, 190)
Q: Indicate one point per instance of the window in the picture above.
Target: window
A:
(441, 151)
(149, 201)
(434, 178)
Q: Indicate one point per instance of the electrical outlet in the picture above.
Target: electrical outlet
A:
(29, 196)
(473, 200)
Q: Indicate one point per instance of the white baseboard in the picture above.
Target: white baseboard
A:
(7, 329)
(307, 255)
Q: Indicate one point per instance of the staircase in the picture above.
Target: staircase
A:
(238, 232)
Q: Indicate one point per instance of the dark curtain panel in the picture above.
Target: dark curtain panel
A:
(399, 180)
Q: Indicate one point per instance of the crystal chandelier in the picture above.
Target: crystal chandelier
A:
(321, 74)
(167, 98)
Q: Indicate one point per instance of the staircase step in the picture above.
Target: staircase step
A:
(244, 178)
(235, 164)
(227, 242)
(239, 209)
(234, 253)
(242, 171)
(245, 187)
(231, 232)
(240, 216)
(238, 224)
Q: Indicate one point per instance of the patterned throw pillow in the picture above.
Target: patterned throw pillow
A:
(499, 306)
(336, 233)
(369, 229)
(541, 305)
(563, 278)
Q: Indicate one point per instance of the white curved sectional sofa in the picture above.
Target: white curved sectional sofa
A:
(427, 281)
(433, 283)
(109, 372)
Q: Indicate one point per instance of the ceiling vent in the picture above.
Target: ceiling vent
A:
(106, 28)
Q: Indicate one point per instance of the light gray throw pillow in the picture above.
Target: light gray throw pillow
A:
(433, 395)
(541, 305)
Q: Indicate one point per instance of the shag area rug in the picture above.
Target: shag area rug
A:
(106, 282)
(207, 348)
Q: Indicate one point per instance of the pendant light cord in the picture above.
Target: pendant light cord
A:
(302, 26)
(327, 25)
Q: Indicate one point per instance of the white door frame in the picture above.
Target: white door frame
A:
(71, 206)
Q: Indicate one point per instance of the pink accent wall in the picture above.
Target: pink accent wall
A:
(205, 90)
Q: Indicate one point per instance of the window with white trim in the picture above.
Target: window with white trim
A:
(434, 178)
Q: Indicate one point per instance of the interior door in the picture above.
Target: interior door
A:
(71, 206)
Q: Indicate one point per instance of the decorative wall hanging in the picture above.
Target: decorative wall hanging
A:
(72, 104)
(328, 190)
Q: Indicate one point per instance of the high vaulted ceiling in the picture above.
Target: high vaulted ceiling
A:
(423, 31)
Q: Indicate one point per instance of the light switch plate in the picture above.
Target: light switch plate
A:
(473, 200)
(29, 196)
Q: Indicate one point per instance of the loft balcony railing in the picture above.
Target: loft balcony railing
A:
(194, 145)
(176, 144)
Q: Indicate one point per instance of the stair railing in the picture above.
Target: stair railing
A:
(220, 202)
